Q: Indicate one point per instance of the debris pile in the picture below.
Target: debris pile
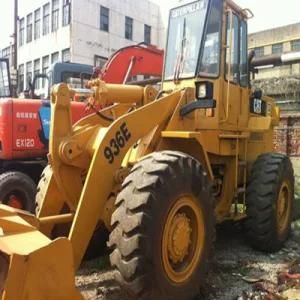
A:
(289, 86)
(287, 286)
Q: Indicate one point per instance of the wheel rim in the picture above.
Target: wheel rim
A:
(14, 201)
(283, 207)
(183, 239)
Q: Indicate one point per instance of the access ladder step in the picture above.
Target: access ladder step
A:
(241, 190)
(242, 163)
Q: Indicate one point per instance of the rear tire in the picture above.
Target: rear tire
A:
(17, 190)
(163, 228)
(270, 202)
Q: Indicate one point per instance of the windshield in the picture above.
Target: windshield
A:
(186, 26)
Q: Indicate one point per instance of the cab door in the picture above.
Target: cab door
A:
(236, 83)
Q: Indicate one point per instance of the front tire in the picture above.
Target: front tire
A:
(270, 201)
(163, 228)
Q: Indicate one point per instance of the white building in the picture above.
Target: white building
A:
(82, 31)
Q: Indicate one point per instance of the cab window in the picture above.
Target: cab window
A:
(244, 77)
(232, 53)
(210, 60)
(76, 79)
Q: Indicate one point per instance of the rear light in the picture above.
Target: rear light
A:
(4, 263)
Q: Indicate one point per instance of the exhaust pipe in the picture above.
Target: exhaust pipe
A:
(275, 60)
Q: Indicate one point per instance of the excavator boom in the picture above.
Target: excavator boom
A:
(131, 61)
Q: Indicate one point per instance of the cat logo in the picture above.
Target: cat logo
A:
(257, 106)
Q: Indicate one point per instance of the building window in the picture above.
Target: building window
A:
(295, 45)
(128, 28)
(36, 71)
(37, 24)
(147, 34)
(29, 28)
(45, 66)
(46, 18)
(66, 12)
(55, 15)
(99, 61)
(6, 52)
(28, 74)
(277, 48)
(104, 18)
(54, 57)
(21, 78)
(259, 52)
(21, 32)
(66, 55)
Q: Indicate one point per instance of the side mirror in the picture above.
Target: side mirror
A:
(257, 94)
(5, 84)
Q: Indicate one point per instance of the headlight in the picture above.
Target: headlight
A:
(204, 90)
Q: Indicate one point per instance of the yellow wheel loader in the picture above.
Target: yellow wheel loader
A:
(158, 170)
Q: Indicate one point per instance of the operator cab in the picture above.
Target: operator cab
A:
(196, 41)
(195, 58)
(75, 75)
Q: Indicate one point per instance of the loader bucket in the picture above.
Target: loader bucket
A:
(32, 267)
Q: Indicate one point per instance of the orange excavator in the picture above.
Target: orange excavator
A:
(25, 123)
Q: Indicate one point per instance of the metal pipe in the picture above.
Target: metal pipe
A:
(59, 219)
(15, 62)
(83, 92)
(113, 93)
(145, 81)
(124, 93)
(276, 60)
(132, 61)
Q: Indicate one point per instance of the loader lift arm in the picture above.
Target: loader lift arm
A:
(92, 146)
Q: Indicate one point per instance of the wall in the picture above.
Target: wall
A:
(87, 38)
(46, 44)
(287, 135)
(83, 36)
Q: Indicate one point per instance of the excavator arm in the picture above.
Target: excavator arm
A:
(84, 159)
(134, 60)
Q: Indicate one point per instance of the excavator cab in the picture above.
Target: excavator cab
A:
(157, 169)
